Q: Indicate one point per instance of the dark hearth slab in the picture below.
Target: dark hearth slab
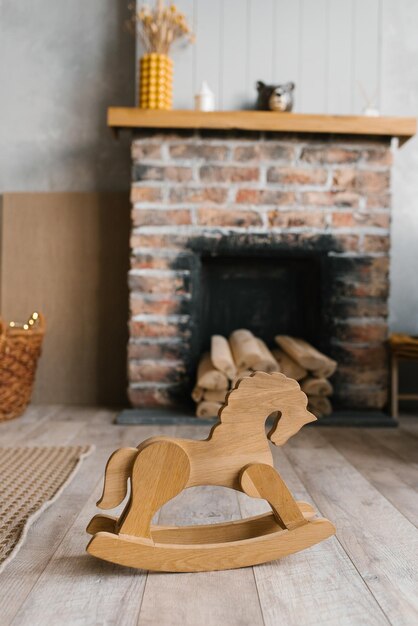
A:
(363, 419)
(170, 417)
(162, 417)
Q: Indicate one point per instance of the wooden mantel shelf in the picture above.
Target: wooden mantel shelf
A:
(402, 127)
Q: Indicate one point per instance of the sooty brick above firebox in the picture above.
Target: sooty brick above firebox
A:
(323, 200)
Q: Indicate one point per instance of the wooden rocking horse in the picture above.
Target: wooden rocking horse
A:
(236, 455)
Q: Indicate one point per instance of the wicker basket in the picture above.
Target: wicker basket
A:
(19, 353)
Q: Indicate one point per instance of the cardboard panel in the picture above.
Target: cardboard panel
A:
(67, 255)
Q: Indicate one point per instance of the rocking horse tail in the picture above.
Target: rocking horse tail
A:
(117, 472)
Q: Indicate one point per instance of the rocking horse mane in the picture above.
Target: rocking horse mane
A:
(261, 394)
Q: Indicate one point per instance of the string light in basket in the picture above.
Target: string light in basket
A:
(28, 325)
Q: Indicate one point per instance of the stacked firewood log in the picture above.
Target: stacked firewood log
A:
(229, 360)
(315, 368)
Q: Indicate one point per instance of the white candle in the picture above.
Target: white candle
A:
(204, 100)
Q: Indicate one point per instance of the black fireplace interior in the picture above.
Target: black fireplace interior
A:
(269, 296)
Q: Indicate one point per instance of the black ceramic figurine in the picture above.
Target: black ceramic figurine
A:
(275, 97)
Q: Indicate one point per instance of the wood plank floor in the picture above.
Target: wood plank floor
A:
(365, 481)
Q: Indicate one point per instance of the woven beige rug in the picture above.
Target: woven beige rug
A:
(30, 480)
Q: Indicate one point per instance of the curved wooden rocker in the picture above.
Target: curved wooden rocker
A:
(236, 455)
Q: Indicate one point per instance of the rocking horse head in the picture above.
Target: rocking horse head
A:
(258, 396)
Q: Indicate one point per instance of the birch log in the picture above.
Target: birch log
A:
(197, 393)
(241, 374)
(319, 405)
(267, 363)
(316, 386)
(326, 370)
(221, 356)
(208, 409)
(288, 366)
(307, 356)
(214, 395)
(208, 377)
(245, 349)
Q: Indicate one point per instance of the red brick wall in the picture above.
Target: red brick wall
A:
(298, 190)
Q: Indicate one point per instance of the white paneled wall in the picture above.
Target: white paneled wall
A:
(327, 47)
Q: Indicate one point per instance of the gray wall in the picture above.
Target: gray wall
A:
(62, 63)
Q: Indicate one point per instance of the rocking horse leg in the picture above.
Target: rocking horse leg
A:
(160, 471)
(263, 481)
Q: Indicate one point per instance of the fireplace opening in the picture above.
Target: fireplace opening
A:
(268, 296)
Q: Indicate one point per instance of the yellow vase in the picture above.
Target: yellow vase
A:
(155, 82)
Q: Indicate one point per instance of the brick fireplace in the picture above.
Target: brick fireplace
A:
(311, 212)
